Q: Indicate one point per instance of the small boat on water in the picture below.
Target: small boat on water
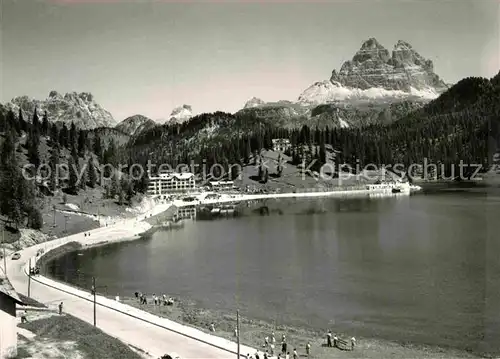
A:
(227, 209)
(396, 190)
(172, 224)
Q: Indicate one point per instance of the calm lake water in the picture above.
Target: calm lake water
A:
(424, 268)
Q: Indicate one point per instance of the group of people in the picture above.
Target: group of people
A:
(270, 344)
(35, 270)
(155, 299)
(332, 341)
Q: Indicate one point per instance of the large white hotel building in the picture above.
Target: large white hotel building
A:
(165, 184)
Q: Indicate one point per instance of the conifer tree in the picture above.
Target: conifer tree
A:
(11, 122)
(54, 163)
(92, 175)
(73, 184)
(3, 121)
(64, 136)
(279, 168)
(54, 134)
(33, 141)
(97, 146)
(35, 219)
(45, 124)
(74, 153)
(8, 147)
(73, 135)
(22, 125)
(81, 143)
(266, 176)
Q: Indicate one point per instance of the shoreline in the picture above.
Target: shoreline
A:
(253, 331)
(194, 316)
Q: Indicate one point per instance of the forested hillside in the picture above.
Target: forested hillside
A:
(33, 151)
(459, 125)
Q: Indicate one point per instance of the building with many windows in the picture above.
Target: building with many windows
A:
(281, 144)
(221, 185)
(166, 184)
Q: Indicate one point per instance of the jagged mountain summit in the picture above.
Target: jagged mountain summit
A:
(80, 108)
(375, 74)
(181, 114)
(135, 124)
(254, 102)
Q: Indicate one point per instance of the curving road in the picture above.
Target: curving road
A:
(123, 324)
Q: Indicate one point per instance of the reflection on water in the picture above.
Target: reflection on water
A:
(423, 269)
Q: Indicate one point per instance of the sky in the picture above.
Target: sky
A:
(147, 57)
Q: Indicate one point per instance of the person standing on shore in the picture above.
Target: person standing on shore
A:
(283, 347)
(266, 342)
(335, 341)
(329, 339)
(23, 317)
(353, 343)
(308, 349)
(295, 355)
(273, 338)
(60, 308)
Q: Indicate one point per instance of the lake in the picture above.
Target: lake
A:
(422, 269)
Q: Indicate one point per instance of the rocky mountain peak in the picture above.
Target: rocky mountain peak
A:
(403, 55)
(374, 73)
(79, 108)
(371, 50)
(254, 102)
(135, 124)
(55, 94)
(181, 114)
(374, 67)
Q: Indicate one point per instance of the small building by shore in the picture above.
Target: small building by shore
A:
(221, 185)
(8, 321)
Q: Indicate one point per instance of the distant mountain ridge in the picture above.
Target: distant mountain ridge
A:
(135, 124)
(80, 108)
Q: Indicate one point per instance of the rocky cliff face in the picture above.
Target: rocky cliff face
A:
(376, 74)
(80, 108)
(135, 124)
(181, 114)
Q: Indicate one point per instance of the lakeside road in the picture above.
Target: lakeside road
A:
(132, 326)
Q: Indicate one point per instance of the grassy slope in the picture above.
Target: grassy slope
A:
(90, 341)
